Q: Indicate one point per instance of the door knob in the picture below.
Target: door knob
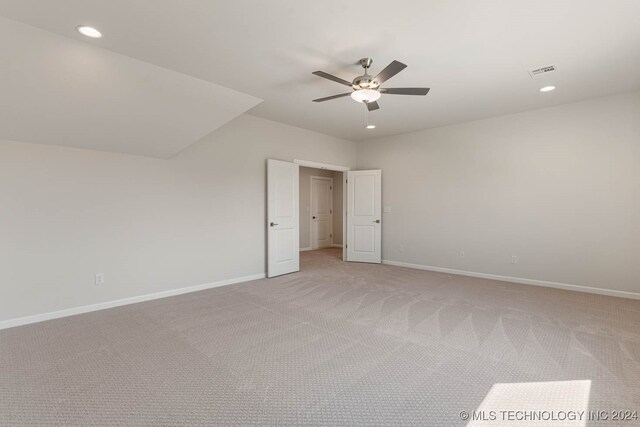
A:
(377, 221)
(272, 224)
(315, 217)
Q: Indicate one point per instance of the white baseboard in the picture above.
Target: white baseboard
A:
(565, 286)
(305, 249)
(125, 301)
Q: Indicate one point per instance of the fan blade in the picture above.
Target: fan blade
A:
(332, 97)
(372, 106)
(406, 91)
(330, 77)
(391, 70)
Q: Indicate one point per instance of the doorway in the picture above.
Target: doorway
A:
(354, 203)
(321, 208)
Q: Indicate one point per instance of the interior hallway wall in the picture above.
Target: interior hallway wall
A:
(338, 202)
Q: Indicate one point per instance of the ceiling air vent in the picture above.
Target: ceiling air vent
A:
(543, 70)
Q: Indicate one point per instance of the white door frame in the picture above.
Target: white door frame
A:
(336, 168)
(325, 166)
(322, 178)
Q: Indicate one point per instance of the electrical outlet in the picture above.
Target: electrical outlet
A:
(99, 278)
(461, 254)
(514, 259)
(387, 209)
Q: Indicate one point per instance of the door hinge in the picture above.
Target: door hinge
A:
(330, 212)
(330, 188)
(330, 235)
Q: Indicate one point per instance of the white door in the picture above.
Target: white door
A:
(321, 212)
(283, 222)
(364, 216)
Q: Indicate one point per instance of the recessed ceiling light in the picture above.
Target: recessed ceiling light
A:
(547, 89)
(370, 126)
(89, 31)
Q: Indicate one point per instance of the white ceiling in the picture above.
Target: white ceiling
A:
(473, 54)
(60, 91)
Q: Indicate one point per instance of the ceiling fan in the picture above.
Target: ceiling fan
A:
(366, 89)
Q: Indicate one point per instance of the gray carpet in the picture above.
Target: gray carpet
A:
(336, 344)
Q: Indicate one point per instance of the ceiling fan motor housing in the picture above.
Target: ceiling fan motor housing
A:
(365, 81)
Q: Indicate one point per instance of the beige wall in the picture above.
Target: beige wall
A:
(305, 204)
(149, 225)
(559, 188)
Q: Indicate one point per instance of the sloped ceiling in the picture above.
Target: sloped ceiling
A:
(61, 91)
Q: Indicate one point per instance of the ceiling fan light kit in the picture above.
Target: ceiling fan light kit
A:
(365, 95)
(367, 90)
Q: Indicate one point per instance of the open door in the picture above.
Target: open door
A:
(321, 212)
(283, 222)
(364, 216)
